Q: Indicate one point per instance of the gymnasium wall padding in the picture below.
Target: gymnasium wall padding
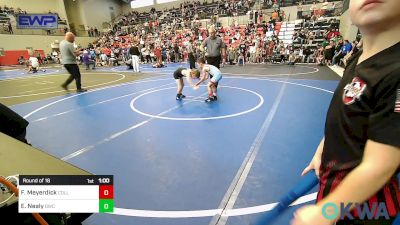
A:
(11, 56)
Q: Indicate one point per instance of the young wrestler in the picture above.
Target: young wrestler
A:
(215, 76)
(34, 65)
(179, 74)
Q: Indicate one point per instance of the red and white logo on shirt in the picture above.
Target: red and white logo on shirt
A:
(353, 91)
(397, 103)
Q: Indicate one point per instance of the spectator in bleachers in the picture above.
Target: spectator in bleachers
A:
(87, 61)
(96, 32)
(282, 53)
(339, 45)
(49, 58)
(157, 53)
(276, 6)
(103, 59)
(252, 51)
(291, 58)
(332, 33)
(9, 28)
(356, 47)
(21, 60)
(274, 16)
(319, 56)
(329, 52)
(231, 55)
(39, 58)
(176, 53)
(300, 10)
(346, 48)
(45, 60)
(55, 57)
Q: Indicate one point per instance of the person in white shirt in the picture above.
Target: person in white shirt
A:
(237, 36)
(104, 59)
(55, 57)
(34, 65)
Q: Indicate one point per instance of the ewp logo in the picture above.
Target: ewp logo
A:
(375, 212)
(37, 21)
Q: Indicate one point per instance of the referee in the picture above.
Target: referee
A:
(215, 47)
(68, 59)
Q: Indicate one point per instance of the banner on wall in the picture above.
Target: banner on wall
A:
(37, 21)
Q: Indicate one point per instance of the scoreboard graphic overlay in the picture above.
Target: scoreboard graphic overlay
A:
(66, 194)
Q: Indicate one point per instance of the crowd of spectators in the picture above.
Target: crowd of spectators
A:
(255, 42)
(11, 11)
(93, 31)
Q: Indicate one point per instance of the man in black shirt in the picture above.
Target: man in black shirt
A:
(135, 53)
(177, 53)
(242, 48)
(359, 156)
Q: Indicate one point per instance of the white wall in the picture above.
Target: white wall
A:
(347, 28)
(20, 42)
(74, 13)
(292, 11)
(37, 6)
(91, 13)
(127, 7)
(98, 11)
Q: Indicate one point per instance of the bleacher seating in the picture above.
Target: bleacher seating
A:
(321, 26)
(287, 3)
(4, 18)
(286, 31)
(206, 11)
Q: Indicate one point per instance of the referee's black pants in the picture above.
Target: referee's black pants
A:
(215, 61)
(192, 61)
(75, 74)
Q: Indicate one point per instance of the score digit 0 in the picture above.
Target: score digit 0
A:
(106, 192)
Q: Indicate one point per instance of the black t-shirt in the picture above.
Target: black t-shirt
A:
(365, 106)
(338, 47)
(242, 48)
(134, 50)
